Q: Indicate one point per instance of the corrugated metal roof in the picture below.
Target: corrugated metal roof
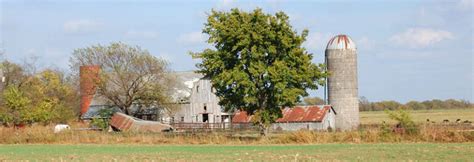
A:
(295, 114)
(124, 122)
(341, 42)
(241, 117)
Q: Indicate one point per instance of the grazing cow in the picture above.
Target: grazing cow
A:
(458, 120)
(445, 121)
(467, 122)
(427, 120)
(61, 127)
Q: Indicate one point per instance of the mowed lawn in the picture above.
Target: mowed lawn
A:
(420, 116)
(374, 152)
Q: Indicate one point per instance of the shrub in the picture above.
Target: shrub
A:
(404, 121)
(16, 110)
(101, 120)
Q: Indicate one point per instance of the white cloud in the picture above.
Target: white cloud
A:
(192, 38)
(141, 34)
(465, 5)
(317, 41)
(82, 26)
(421, 37)
(364, 43)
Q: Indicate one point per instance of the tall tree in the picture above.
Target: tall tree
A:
(258, 64)
(43, 97)
(14, 74)
(128, 74)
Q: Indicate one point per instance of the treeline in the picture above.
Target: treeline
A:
(366, 105)
(31, 96)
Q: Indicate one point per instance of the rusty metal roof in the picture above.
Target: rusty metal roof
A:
(341, 42)
(241, 117)
(124, 123)
(295, 114)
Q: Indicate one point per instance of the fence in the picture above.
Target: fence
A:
(193, 127)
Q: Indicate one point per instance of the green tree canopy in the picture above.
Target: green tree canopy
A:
(258, 64)
(43, 97)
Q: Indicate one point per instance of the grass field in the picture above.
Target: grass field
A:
(433, 143)
(420, 116)
(373, 152)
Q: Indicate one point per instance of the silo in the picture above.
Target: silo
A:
(88, 78)
(341, 62)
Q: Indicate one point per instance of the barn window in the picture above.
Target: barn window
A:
(197, 89)
(182, 119)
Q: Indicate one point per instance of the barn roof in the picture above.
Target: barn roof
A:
(295, 114)
(241, 117)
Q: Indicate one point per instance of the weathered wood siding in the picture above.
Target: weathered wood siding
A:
(203, 101)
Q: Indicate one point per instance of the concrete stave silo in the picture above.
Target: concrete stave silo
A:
(341, 62)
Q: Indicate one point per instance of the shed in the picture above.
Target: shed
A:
(299, 117)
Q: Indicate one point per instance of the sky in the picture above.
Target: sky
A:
(407, 49)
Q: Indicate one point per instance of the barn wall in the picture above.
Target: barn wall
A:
(180, 115)
(298, 126)
(203, 96)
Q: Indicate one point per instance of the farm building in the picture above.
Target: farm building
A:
(197, 103)
(194, 100)
(341, 61)
(204, 105)
(296, 118)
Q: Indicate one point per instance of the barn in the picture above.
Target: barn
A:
(296, 118)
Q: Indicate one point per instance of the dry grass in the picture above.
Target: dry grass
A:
(45, 135)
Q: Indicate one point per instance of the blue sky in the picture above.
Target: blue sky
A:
(408, 49)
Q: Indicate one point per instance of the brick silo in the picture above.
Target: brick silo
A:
(341, 61)
(89, 77)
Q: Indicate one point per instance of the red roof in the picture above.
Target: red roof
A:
(241, 117)
(295, 114)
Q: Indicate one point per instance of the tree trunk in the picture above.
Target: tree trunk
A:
(263, 129)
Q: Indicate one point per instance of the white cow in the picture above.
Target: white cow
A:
(61, 127)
